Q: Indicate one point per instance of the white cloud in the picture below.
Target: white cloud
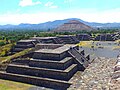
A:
(40, 17)
(51, 5)
(68, 1)
(24, 3)
(112, 15)
(48, 4)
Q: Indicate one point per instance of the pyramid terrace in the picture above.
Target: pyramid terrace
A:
(52, 66)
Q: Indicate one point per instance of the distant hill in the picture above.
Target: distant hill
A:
(54, 24)
(72, 26)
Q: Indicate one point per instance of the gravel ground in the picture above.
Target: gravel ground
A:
(97, 76)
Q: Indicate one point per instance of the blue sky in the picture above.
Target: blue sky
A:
(38, 11)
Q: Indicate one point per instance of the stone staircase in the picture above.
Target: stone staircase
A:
(56, 72)
(46, 73)
(43, 72)
(75, 39)
(39, 81)
(51, 68)
(63, 64)
(80, 58)
(56, 41)
(110, 37)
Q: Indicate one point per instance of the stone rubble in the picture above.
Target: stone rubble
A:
(97, 76)
(115, 79)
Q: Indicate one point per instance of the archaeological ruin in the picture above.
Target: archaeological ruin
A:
(54, 60)
(105, 37)
(63, 39)
(73, 26)
(83, 37)
(51, 66)
(23, 44)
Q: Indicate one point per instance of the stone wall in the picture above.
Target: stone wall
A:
(24, 46)
(47, 46)
(45, 64)
(41, 72)
(79, 66)
(51, 64)
(35, 81)
(49, 56)
(21, 61)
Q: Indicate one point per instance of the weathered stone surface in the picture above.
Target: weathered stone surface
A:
(97, 76)
(63, 64)
(23, 44)
(44, 82)
(105, 37)
(43, 72)
(83, 37)
(48, 66)
(115, 79)
(53, 54)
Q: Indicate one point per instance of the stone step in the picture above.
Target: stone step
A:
(38, 81)
(24, 46)
(43, 72)
(48, 54)
(79, 58)
(63, 64)
(20, 61)
(18, 49)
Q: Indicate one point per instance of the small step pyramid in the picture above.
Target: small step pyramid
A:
(73, 26)
(51, 66)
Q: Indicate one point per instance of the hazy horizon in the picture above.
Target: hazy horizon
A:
(40, 11)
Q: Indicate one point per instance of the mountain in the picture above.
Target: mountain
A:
(72, 26)
(54, 24)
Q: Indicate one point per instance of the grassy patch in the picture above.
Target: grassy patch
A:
(87, 43)
(90, 44)
(2, 42)
(116, 47)
(8, 58)
(10, 85)
(2, 58)
(5, 60)
(117, 41)
(5, 49)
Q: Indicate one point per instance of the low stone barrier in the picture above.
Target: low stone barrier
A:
(49, 56)
(47, 46)
(42, 72)
(21, 61)
(44, 82)
(65, 63)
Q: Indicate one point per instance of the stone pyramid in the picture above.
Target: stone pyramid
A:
(73, 26)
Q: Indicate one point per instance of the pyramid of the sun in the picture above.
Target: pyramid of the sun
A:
(73, 26)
